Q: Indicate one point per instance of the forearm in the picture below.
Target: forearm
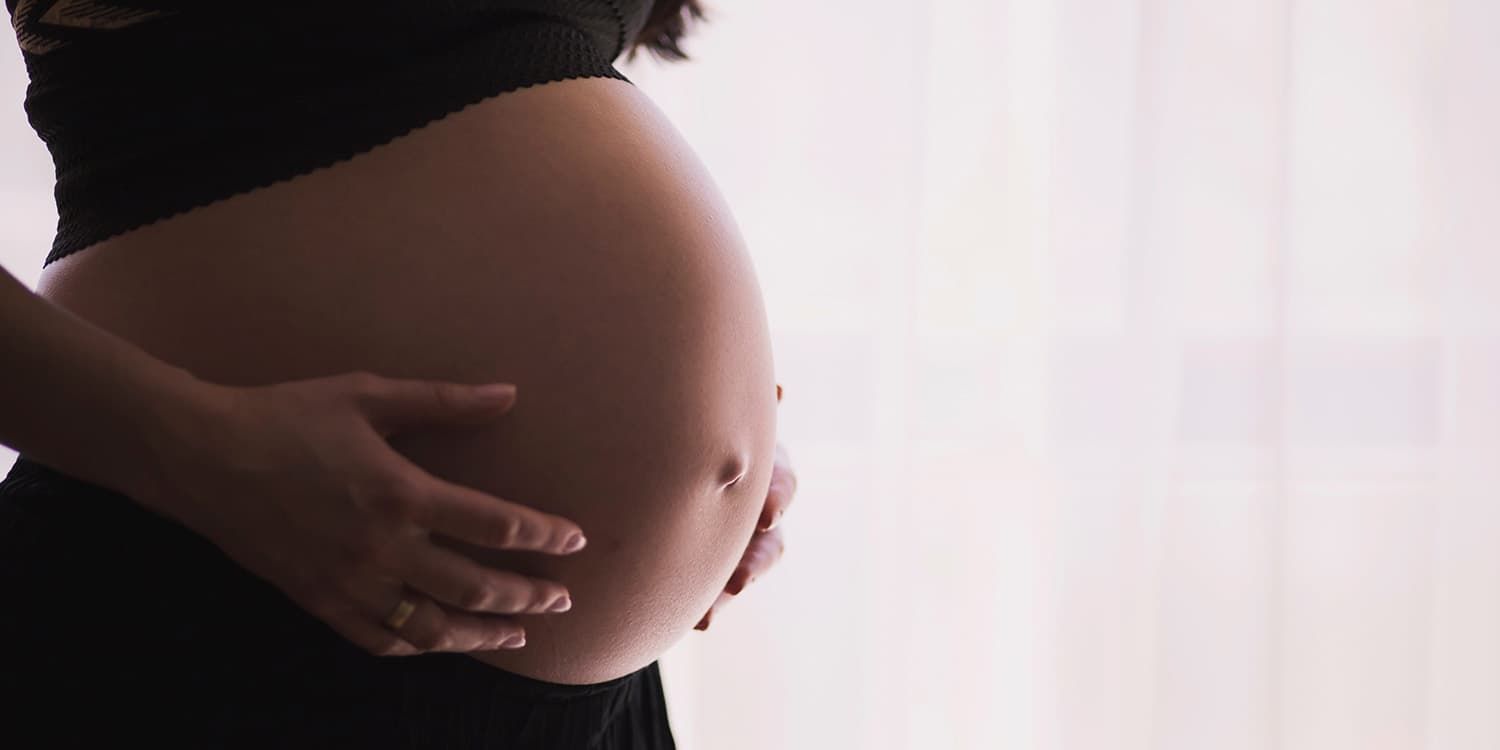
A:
(86, 402)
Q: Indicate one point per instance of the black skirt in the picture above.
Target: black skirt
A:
(118, 625)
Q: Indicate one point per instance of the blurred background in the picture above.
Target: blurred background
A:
(1141, 366)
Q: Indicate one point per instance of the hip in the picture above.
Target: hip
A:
(133, 627)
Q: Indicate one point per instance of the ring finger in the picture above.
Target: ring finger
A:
(429, 626)
(461, 583)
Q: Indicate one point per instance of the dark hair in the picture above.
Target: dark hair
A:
(664, 28)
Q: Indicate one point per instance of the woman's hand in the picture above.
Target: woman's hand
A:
(766, 544)
(295, 482)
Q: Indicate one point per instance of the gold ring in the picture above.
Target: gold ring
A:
(399, 614)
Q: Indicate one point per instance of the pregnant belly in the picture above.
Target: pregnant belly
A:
(562, 237)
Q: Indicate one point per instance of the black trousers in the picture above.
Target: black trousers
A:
(119, 626)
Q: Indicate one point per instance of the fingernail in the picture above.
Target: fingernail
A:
(778, 392)
(736, 584)
(775, 517)
(561, 605)
(702, 624)
(495, 391)
(574, 542)
(515, 641)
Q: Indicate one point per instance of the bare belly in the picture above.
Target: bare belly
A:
(562, 237)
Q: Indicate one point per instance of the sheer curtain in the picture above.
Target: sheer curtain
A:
(1142, 367)
(1142, 370)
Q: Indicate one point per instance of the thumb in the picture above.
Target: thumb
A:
(394, 404)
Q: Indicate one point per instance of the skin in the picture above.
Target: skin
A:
(562, 237)
(767, 544)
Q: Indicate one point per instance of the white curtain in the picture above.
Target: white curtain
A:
(1142, 370)
(1142, 367)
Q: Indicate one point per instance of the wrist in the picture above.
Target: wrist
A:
(178, 413)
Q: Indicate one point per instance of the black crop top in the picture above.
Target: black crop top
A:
(154, 107)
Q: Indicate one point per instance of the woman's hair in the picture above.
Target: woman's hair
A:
(665, 26)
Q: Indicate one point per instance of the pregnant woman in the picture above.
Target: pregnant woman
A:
(260, 501)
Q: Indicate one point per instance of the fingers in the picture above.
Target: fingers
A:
(724, 597)
(459, 581)
(425, 626)
(783, 488)
(372, 636)
(438, 575)
(432, 627)
(766, 548)
(355, 625)
(392, 404)
(488, 521)
(766, 544)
